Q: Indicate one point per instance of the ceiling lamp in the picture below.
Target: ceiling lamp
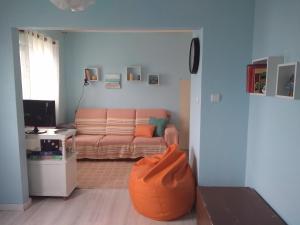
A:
(73, 5)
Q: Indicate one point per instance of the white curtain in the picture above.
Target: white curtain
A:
(39, 57)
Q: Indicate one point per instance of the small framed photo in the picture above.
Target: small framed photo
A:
(153, 79)
(91, 73)
(112, 81)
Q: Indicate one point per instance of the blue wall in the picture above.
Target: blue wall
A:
(223, 134)
(273, 167)
(162, 53)
(227, 34)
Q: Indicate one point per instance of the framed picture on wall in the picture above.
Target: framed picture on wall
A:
(153, 79)
(112, 81)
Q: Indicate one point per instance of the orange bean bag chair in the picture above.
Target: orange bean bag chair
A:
(162, 186)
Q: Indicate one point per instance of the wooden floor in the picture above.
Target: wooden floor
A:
(86, 207)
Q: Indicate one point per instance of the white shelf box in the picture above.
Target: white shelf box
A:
(153, 79)
(134, 73)
(271, 62)
(91, 74)
(287, 81)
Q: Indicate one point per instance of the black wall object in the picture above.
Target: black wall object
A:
(194, 57)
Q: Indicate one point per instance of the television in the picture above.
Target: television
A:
(39, 113)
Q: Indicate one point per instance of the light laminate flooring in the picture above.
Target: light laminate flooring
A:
(86, 207)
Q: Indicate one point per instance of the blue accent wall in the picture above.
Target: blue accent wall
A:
(273, 167)
(227, 37)
(223, 128)
(165, 54)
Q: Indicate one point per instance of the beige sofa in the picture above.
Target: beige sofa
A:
(109, 133)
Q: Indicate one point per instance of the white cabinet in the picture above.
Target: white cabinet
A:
(288, 79)
(271, 63)
(134, 73)
(91, 74)
(153, 79)
(52, 177)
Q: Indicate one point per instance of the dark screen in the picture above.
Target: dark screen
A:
(39, 113)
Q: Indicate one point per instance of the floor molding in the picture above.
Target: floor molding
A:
(16, 207)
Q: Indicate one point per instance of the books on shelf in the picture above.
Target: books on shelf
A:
(41, 155)
(256, 78)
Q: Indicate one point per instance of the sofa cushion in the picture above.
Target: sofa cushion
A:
(120, 122)
(143, 146)
(91, 121)
(86, 140)
(87, 146)
(148, 141)
(116, 140)
(160, 125)
(116, 146)
(143, 115)
(144, 130)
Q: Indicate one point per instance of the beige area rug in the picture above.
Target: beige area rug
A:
(103, 173)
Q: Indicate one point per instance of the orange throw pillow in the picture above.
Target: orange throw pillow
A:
(144, 130)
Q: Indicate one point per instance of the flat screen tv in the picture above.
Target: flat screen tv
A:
(39, 113)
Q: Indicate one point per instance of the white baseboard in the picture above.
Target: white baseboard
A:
(16, 207)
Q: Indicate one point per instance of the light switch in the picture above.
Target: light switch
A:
(197, 99)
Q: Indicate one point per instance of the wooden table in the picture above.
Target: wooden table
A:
(233, 206)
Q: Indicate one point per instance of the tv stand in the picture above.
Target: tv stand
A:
(52, 176)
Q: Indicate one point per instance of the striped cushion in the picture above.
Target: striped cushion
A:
(143, 115)
(116, 145)
(143, 146)
(120, 122)
(87, 146)
(91, 121)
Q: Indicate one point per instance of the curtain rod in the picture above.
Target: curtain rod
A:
(38, 36)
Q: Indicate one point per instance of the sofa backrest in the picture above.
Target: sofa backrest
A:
(91, 121)
(120, 122)
(143, 115)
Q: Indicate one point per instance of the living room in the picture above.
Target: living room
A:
(121, 54)
(243, 141)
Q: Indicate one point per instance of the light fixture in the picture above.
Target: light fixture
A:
(72, 5)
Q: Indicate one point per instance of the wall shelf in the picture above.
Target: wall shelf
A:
(264, 84)
(134, 73)
(91, 74)
(287, 81)
(153, 79)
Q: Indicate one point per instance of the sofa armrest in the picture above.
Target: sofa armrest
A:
(171, 135)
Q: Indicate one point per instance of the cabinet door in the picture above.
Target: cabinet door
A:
(46, 179)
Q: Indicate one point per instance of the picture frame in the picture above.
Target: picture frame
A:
(91, 73)
(153, 79)
(112, 81)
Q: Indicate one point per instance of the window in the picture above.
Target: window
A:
(39, 56)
